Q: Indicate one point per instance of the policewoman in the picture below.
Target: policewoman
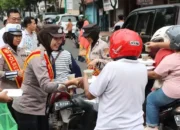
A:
(38, 81)
(98, 51)
(11, 59)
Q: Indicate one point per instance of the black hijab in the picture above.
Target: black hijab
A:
(8, 39)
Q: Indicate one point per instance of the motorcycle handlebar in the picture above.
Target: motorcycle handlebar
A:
(77, 100)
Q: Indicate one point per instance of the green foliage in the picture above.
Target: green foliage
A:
(7, 4)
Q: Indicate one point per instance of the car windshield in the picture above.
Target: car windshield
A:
(65, 18)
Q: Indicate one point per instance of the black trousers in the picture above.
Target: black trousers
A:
(31, 122)
(9, 104)
(69, 34)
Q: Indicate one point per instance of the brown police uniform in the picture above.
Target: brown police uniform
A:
(20, 56)
(100, 51)
(36, 86)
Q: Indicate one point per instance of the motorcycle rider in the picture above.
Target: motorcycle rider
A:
(121, 84)
(159, 39)
(167, 71)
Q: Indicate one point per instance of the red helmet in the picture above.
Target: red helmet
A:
(125, 42)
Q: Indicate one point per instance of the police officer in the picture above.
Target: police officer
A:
(98, 51)
(38, 81)
(11, 59)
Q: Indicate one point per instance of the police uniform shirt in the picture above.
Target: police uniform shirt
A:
(36, 86)
(20, 56)
(100, 51)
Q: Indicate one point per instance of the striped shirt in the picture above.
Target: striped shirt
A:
(62, 64)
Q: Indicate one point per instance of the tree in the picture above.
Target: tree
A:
(7, 4)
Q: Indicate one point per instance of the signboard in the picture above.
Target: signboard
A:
(144, 2)
(107, 4)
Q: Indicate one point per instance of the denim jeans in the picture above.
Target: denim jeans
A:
(155, 100)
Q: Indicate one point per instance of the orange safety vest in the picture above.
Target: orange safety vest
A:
(48, 63)
(12, 64)
(96, 70)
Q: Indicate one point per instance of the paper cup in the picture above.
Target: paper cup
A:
(147, 49)
(144, 56)
(71, 76)
(89, 73)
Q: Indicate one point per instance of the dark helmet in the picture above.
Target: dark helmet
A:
(174, 35)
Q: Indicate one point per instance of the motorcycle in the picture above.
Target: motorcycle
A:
(82, 113)
(75, 36)
(170, 116)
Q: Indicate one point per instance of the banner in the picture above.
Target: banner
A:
(107, 4)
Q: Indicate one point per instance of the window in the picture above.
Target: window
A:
(57, 18)
(145, 21)
(130, 22)
(65, 18)
(164, 17)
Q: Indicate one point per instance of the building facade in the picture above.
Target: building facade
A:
(105, 12)
(72, 6)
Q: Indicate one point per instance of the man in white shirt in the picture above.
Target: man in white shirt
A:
(120, 87)
(29, 39)
(13, 17)
(120, 23)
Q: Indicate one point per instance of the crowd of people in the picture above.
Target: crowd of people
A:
(36, 62)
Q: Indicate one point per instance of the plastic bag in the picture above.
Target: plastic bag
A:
(6, 120)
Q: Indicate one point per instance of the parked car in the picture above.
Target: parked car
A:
(51, 15)
(62, 20)
(147, 20)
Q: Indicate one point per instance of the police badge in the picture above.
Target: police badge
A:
(18, 27)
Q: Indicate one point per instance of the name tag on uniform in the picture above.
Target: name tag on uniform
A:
(24, 55)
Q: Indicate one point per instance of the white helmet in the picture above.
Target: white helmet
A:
(81, 16)
(161, 35)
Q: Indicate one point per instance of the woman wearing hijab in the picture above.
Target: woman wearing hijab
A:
(98, 51)
(38, 81)
(11, 60)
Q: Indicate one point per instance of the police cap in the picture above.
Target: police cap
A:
(90, 30)
(14, 29)
(54, 30)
